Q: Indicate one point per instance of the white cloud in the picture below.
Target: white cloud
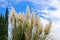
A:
(55, 3)
(52, 14)
(5, 3)
(55, 13)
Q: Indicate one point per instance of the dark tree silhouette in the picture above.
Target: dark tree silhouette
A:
(4, 26)
(1, 27)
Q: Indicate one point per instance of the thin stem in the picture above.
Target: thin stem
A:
(44, 37)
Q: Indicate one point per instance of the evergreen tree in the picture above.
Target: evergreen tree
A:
(1, 26)
(6, 15)
(6, 24)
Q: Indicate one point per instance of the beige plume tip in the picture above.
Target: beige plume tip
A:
(27, 12)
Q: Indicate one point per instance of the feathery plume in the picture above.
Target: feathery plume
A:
(37, 21)
(38, 25)
(20, 17)
(47, 28)
(12, 12)
(29, 23)
(32, 18)
(27, 12)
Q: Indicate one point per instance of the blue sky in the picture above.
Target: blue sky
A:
(20, 6)
(46, 9)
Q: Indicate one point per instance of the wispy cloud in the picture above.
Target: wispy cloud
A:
(9, 4)
(3, 3)
(55, 3)
(51, 7)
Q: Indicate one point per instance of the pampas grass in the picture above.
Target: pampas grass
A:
(12, 12)
(23, 26)
(27, 12)
(47, 28)
(38, 28)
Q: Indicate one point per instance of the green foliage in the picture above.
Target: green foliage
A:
(4, 26)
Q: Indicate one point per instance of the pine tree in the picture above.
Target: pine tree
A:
(6, 17)
(1, 27)
(6, 24)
